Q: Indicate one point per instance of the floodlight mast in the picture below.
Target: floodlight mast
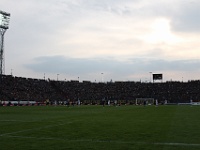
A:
(4, 25)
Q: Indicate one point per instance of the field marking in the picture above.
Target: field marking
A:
(178, 144)
(40, 120)
(16, 121)
(105, 141)
(39, 128)
(49, 126)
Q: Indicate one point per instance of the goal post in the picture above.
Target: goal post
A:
(146, 101)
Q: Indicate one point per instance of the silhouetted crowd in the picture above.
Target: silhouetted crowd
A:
(18, 88)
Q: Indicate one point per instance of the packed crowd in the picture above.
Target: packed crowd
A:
(18, 88)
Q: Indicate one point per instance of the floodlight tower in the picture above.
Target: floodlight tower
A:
(4, 23)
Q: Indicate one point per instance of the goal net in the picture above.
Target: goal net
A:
(144, 101)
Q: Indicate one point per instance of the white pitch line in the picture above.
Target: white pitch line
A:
(49, 126)
(29, 121)
(178, 144)
(106, 141)
(15, 121)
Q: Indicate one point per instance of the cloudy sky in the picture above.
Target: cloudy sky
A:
(122, 40)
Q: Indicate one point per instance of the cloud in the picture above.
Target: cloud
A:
(183, 15)
(110, 66)
(93, 36)
(73, 65)
(186, 19)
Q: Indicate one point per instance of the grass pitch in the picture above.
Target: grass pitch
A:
(95, 127)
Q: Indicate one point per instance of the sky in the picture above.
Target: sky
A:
(103, 40)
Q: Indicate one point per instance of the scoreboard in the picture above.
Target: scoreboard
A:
(157, 76)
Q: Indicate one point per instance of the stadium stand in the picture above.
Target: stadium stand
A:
(28, 89)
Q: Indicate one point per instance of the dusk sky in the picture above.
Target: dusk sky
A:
(95, 40)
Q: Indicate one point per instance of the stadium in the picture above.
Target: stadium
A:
(51, 114)
(85, 115)
(27, 91)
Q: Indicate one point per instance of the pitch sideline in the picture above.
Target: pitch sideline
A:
(104, 141)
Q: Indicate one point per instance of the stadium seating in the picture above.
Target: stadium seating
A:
(19, 89)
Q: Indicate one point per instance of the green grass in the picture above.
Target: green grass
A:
(95, 127)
